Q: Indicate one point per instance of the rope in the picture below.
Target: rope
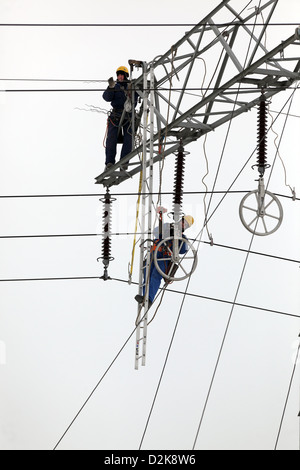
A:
(278, 145)
(105, 135)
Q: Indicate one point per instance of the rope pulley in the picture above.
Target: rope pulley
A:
(106, 242)
(260, 211)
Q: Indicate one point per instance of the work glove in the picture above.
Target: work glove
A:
(111, 82)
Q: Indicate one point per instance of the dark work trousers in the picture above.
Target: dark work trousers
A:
(113, 139)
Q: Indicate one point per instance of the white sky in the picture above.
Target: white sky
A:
(57, 338)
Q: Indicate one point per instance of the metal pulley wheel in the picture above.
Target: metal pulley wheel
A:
(261, 213)
(181, 266)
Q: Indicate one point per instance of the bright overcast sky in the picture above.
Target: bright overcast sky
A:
(58, 336)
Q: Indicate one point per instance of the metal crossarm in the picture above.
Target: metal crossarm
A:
(187, 107)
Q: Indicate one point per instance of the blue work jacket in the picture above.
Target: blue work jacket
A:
(116, 96)
(166, 233)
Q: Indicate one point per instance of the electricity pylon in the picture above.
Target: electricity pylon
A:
(213, 74)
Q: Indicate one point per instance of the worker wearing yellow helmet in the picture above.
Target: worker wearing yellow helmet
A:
(118, 93)
(123, 70)
(155, 276)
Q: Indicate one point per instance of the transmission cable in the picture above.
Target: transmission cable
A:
(95, 388)
(165, 193)
(288, 395)
(99, 90)
(80, 278)
(122, 234)
(142, 25)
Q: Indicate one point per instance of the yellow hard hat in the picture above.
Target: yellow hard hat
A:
(189, 220)
(123, 69)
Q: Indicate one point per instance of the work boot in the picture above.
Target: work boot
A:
(108, 166)
(140, 299)
(124, 166)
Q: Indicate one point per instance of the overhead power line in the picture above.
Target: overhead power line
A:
(79, 278)
(139, 25)
(87, 80)
(74, 235)
(100, 90)
(17, 196)
(296, 361)
(95, 388)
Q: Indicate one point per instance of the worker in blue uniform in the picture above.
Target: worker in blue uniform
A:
(155, 276)
(118, 93)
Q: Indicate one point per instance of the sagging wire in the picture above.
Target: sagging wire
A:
(284, 126)
(206, 192)
(97, 109)
(204, 150)
(277, 145)
(204, 146)
(92, 108)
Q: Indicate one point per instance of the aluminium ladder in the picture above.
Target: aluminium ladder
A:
(146, 217)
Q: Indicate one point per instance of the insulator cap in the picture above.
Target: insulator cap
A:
(262, 127)
(179, 178)
(106, 218)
